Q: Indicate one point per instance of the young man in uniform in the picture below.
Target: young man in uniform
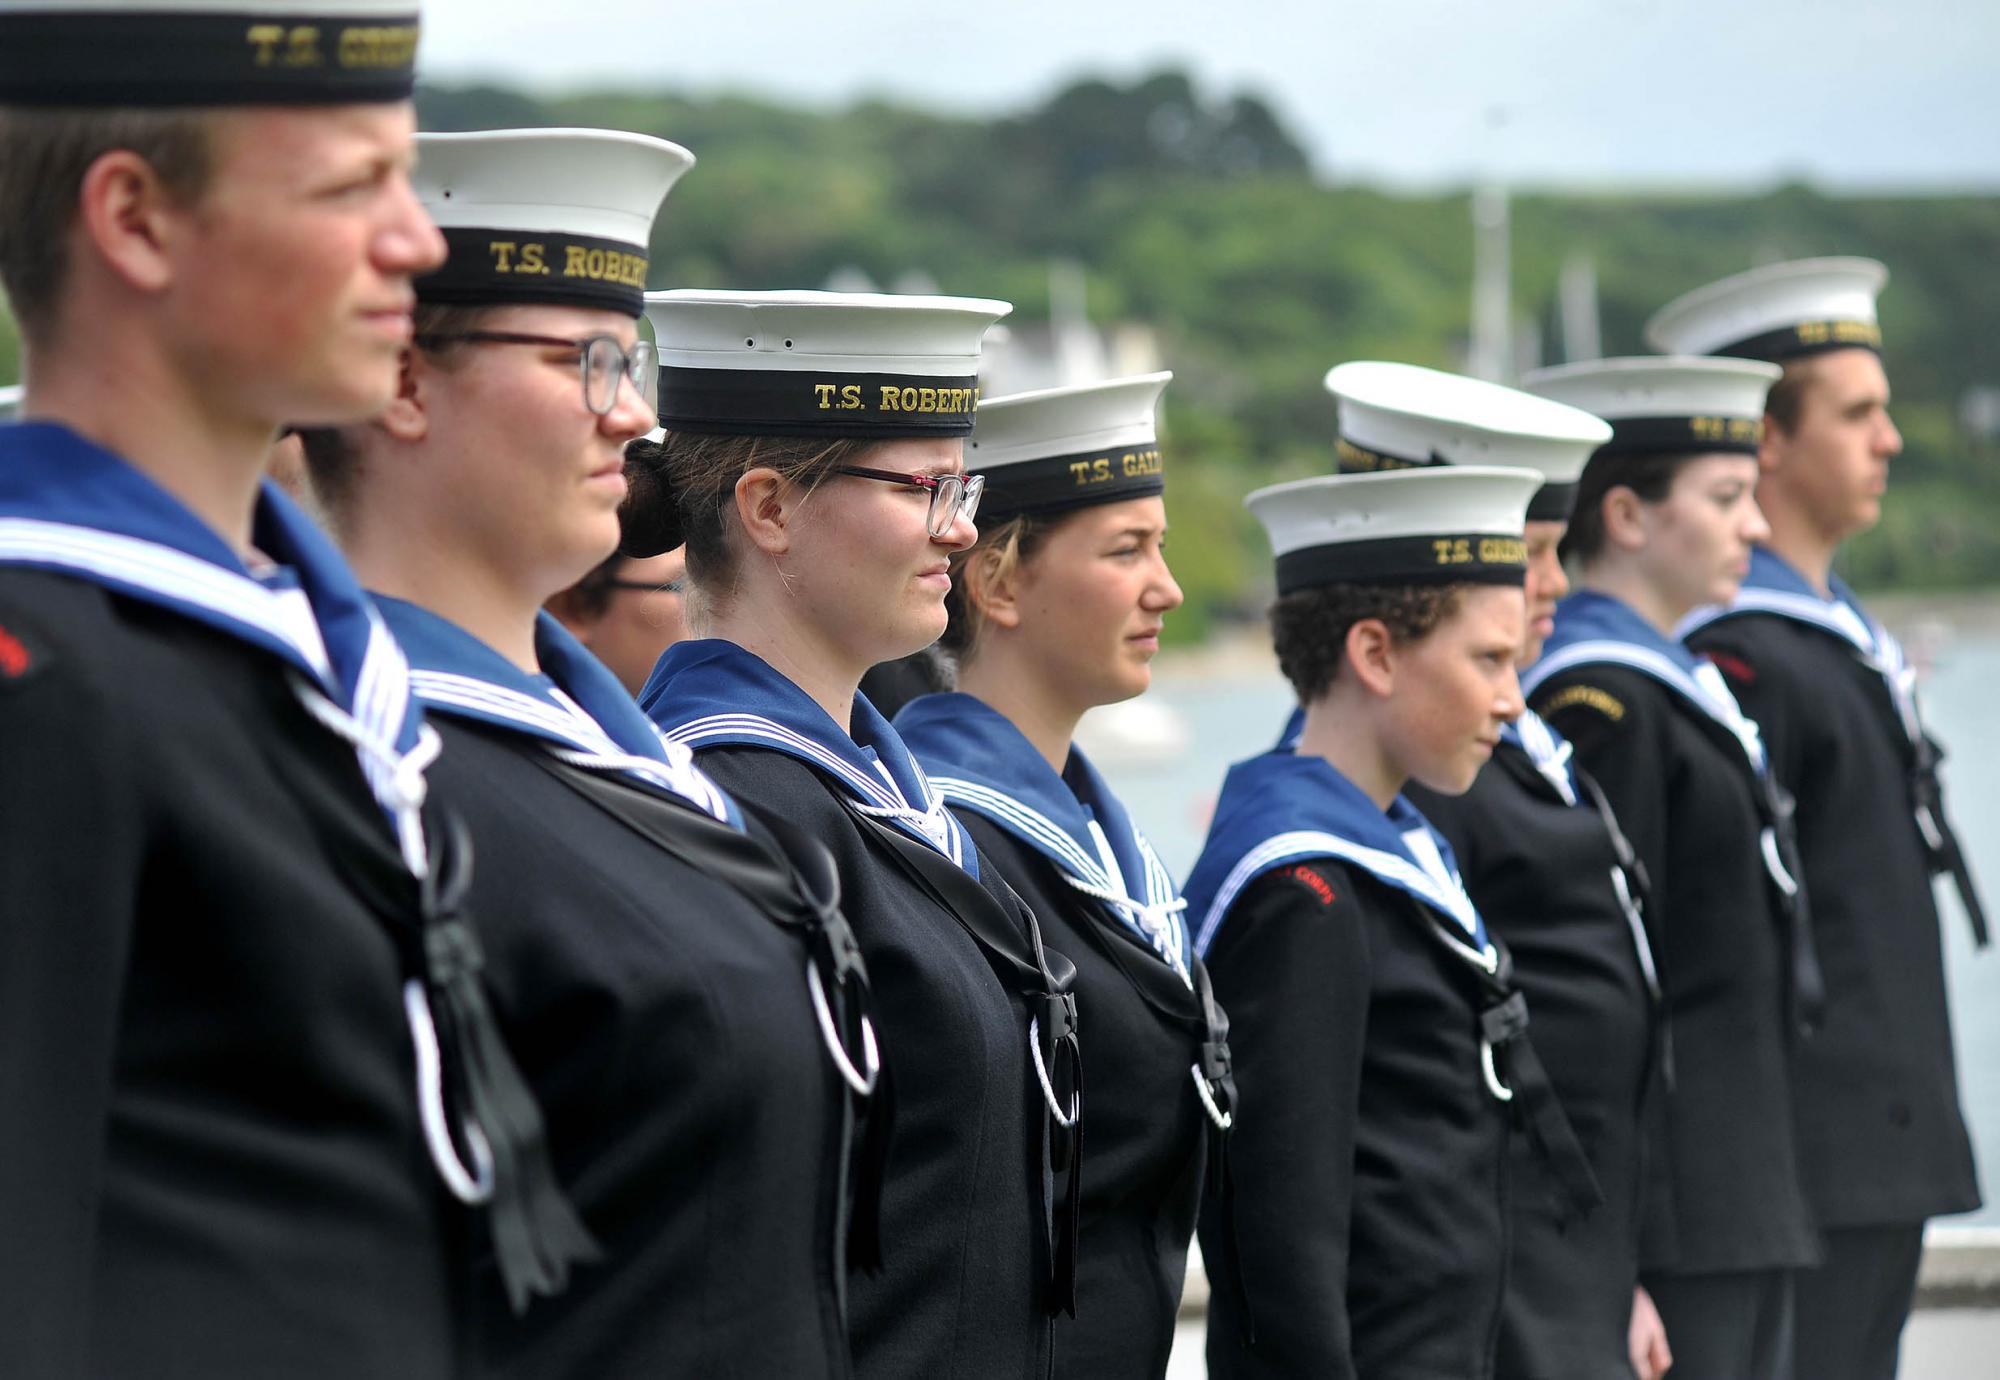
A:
(1882, 1140)
(234, 987)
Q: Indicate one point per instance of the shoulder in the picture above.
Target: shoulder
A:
(62, 647)
(773, 779)
(1759, 651)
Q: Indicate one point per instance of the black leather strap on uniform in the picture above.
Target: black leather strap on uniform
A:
(1640, 886)
(1805, 985)
(1503, 1025)
(1947, 855)
(1043, 978)
(798, 889)
(1805, 989)
(536, 1233)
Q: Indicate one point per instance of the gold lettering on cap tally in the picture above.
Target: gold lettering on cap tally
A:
(1452, 550)
(1503, 551)
(384, 45)
(926, 400)
(1740, 430)
(604, 265)
(511, 257)
(1137, 464)
(275, 45)
(845, 397)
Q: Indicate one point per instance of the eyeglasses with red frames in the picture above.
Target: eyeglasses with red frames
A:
(951, 494)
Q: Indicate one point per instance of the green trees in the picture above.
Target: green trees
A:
(1202, 219)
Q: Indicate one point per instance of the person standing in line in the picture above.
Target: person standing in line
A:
(812, 462)
(1380, 1043)
(652, 959)
(244, 1080)
(1543, 859)
(1884, 1139)
(1056, 610)
(627, 612)
(1664, 521)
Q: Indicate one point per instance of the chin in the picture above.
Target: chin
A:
(1452, 780)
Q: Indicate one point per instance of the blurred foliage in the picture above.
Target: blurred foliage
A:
(1200, 218)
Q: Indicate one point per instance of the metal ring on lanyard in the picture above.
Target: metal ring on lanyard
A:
(1500, 1091)
(471, 1188)
(1042, 1073)
(1223, 1120)
(1774, 863)
(871, 1056)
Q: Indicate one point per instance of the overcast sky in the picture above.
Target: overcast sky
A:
(1577, 92)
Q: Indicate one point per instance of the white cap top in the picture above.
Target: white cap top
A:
(561, 215)
(1065, 421)
(1666, 403)
(856, 332)
(1070, 447)
(1776, 312)
(601, 183)
(878, 364)
(1416, 526)
(1394, 416)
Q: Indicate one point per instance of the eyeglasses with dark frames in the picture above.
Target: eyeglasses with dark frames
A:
(603, 361)
(951, 494)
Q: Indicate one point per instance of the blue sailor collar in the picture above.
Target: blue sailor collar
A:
(978, 760)
(1547, 749)
(69, 505)
(712, 693)
(576, 706)
(1775, 586)
(1593, 628)
(1280, 808)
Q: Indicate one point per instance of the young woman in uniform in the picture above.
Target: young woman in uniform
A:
(1665, 520)
(1058, 609)
(812, 463)
(682, 1005)
(1379, 1042)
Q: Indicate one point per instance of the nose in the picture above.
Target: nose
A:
(1890, 442)
(1755, 529)
(630, 416)
(961, 535)
(408, 243)
(1508, 704)
(1546, 576)
(1163, 592)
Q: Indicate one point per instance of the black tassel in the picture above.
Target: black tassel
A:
(537, 1234)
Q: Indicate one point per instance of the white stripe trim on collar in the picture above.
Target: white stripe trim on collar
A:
(1312, 843)
(150, 565)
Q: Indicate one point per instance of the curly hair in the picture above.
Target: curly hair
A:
(1309, 626)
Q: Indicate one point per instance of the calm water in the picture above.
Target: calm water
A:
(1234, 704)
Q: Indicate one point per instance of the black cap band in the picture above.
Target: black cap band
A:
(1683, 435)
(1441, 560)
(511, 267)
(1807, 338)
(1071, 481)
(1359, 459)
(143, 58)
(784, 402)
(1551, 503)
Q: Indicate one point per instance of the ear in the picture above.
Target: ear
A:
(764, 505)
(995, 594)
(1624, 518)
(1770, 448)
(125, 214)
(1371, 656)
(407, 417)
